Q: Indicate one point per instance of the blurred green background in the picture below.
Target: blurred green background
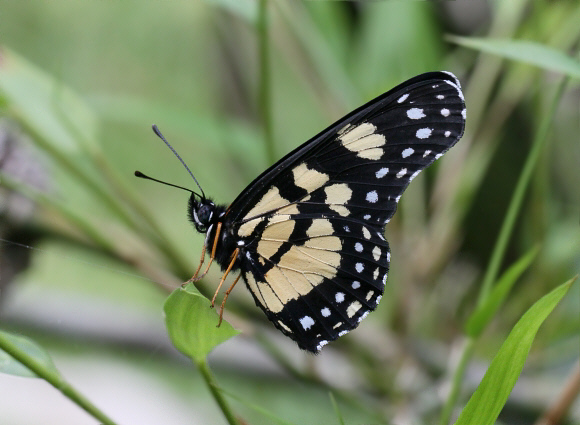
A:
(81, 82)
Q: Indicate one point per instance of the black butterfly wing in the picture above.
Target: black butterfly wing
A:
(310, 228)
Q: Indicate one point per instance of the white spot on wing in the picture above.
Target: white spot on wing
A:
(378, 300)
(339, 297)
(372, 196)
(325, 312)
(401, 173)
(359, 267)
(307, 322)
(403, 98)
(321, 344)
(353, 308)
(415, 113)
(445, 112)
(382, 173)
(376, 253)
(341, 333)
(423, 133)
(366, 233)
(355, 284)
(407, 152)
(464, 113)
(440, 97)
(427, 152)
(358, 247)
(447, 133)
(415, 174)
(363, 316)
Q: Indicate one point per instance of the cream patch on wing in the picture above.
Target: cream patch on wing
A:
(308, 178)
(276, 233)
(272, 200)
(363, 140)
(337, 195)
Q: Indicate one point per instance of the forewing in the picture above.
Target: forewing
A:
(312, 226)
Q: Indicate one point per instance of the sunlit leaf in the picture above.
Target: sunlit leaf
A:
(485, 312)
(524, 51)
(192, 324)
(27, 348)
(486, 403)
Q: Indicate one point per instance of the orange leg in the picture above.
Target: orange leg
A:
(227, 294)
(223, 279)
(212, 256)
(194, 277)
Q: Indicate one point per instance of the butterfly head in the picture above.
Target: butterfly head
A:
(202, 212)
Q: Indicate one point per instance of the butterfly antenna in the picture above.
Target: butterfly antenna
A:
(158, 133)
(145, 176)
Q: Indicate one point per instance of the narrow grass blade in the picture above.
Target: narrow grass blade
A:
(192, 324)
(524, 51)
(482, 315)
(486, 403)
(336, 409)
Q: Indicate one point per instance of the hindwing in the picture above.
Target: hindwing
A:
(311, 227)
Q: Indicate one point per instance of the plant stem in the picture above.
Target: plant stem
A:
(265, 93)
(53, 378)
(501, 243)
(215, 390)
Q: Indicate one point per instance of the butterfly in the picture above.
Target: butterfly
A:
(307, 235)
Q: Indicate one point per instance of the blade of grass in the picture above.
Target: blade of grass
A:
(336, 409)
(501, 245)
(17, 349)
(483, 314)
(486, 403)
(524, 51)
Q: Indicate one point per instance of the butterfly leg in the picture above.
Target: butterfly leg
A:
(194, 277)
(223, 279)
(226, 295)
(212, 256)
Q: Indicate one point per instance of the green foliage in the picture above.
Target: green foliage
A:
(526, 52)
(492, 393)
(28, 349)
(193, 325)
(85, 104)
(484, 312)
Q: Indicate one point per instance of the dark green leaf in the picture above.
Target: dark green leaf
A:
(192, 324)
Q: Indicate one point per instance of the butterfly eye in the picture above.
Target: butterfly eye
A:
(204, 214)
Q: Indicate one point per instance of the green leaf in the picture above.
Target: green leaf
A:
(486, 403)
(524, 51)
(192, 324)
(485, 311)
(45, 104)
(23, 348)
